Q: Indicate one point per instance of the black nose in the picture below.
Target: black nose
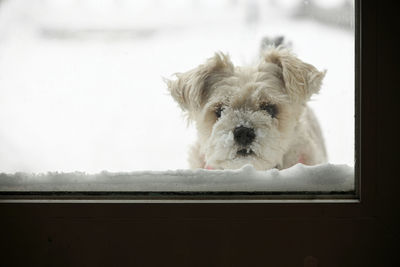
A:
(243, 135)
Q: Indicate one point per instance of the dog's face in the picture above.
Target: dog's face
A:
(246, 114)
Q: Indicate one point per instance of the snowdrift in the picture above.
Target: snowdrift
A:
(299, 178)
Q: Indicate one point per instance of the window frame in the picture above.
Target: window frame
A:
(365, 122)
(280, 233)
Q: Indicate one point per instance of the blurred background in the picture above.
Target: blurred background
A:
(81, 85)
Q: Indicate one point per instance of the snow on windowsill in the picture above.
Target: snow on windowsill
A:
(325, 177)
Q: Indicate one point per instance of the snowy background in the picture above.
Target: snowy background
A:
(81, 84)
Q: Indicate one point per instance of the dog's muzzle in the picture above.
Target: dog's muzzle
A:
(244, 136)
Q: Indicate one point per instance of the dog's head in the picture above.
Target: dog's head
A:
(246, 114)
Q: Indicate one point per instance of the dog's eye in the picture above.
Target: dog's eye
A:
(270, 108)
(218, 111)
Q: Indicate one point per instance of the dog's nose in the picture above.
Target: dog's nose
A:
(243, 135)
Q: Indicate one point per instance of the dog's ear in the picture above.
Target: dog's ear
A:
(301, 79)
(191, 89)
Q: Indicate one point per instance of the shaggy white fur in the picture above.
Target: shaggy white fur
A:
(252, 115)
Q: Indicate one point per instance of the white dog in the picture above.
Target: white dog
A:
(252, 115)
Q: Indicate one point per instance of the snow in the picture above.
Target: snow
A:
(299, 178)
(81, 89)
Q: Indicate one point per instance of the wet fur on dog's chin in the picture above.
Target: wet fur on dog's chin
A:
(268, 99)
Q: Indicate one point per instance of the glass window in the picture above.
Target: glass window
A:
(83, 89)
